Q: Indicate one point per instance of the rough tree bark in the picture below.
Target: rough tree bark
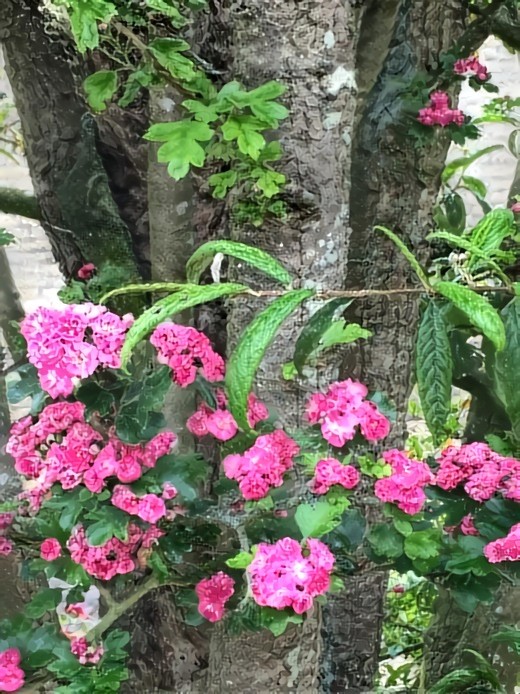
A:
(70, 183)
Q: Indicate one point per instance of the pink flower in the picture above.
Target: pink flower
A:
(263, 465)
(11, 675)
(342, 409)
(281, 575)
(329, 472)
(151, 508)
(50, 549)
(467, 526)
(213, 593)
(86, 653)
(515, 208)
(86, 271)
(405, 484)
(439, 112)
(168, 491)
(471, 66)
(505, 548)
(6, 547)
(186, 350)
(221, 424)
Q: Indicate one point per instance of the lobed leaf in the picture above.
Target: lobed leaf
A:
(100, 88)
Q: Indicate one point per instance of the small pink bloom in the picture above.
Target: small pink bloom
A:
(6, 547)
(221, 424)
(213, 593)
(168, 491)
(50, 549)
(86, 271)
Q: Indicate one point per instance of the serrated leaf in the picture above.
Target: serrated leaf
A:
(464, 162)
(492, 229)
(222, 182)
(100, 88)
(181, 146)
(252, 345)
(386, 541)
(169, 10)
(203, 257)
(478, 309)
(422, 544)
(189, 296)
(433, 365)
(507, 365)
(309, 338)
(315, 520)
(136, 81)
(414, 263)
(269, 182)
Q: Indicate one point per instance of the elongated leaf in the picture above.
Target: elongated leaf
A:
(309, 338)
(142, 289)
(465, 243)
(478, 309)
(415, 264)
(491, 231)
(433, 365)
(259, 259)
(464, 162)
(507, 365)
(187, 297)
(254, 341)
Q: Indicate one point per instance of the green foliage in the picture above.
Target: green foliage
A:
(315, 520)
(84, 17)
(181, 146)
(478, 309)
(414, 263)
(507, 365)
(139, 416)
(434, 370)
(6, 238)
(461, 164)
(203, 256)
(100, 88)
(462, 679)
(240, 560)
(186, 297)
(252, 345)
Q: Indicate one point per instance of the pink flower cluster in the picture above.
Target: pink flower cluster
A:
(342, 409)
(50, 549)
(471, 66)
(482, 471)
(263, 465)
(60, 446)
(69, 344)
(439, 112)
(505, 548)
(115, 556)
(186, 350)
(220, 423)
(405, 485)
(282, 575)
(467, 526)
(11, 675)
(150, 507)
(86, 653)
(213, 593)
(329, 472)
(6, 546)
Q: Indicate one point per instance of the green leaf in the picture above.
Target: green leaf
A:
(455, 212)
(507, 365)
(342, 333)
(251, 255)
(475, 185)
(167, 52)
(492, 229)
(189, 296)
(245, 130)
(240, 560)
(222, 182)
(464, 162)
(100, 88)
(269, 182)
(277, 621)
(44, 601)
(84, 16)
(465, 243)
(143, 288)
(6, 238)
(95, 398)
(252, 345)
(478, 309)
(433, 364)
(422, 544)
(181, 144)
(315, 520)
(318, 324)
(168, 9)
(136, 81)
(386, 541)
(416, 266)
(207, 113)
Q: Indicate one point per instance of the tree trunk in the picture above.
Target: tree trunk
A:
(310, 48)
(70, 183)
